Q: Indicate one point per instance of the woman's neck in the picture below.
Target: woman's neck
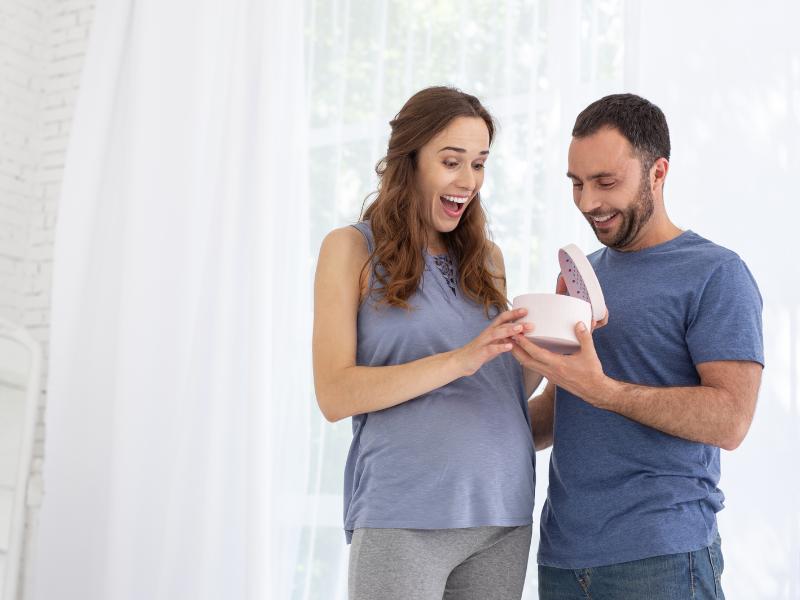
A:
(436, 243)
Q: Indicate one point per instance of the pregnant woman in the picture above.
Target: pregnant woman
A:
(412, 340)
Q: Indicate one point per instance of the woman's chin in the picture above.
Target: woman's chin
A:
(447, 227)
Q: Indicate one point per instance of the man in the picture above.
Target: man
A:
(638, 415)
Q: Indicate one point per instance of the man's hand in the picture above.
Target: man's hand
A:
(580, 373)
(561, 289)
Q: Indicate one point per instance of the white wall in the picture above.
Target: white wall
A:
(42, 45)
(729, 84)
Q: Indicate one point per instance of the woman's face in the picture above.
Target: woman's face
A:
(450, 172)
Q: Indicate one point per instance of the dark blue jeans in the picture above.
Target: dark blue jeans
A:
(689, 576)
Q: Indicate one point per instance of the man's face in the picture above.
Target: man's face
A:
(610, 188)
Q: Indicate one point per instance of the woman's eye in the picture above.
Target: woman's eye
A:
(479, 166)
(450, 164)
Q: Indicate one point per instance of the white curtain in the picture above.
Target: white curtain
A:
(179, 392)
(535, 64)
(727, 75)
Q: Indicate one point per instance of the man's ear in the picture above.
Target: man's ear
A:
(658, 173)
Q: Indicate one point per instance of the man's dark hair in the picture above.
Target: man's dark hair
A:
(640, 121)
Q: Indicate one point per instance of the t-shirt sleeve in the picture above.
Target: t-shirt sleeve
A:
(726, 321)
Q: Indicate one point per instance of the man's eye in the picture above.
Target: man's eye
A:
(606, 184)
(577, 186)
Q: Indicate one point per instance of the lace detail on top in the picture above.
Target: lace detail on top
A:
(445, 265)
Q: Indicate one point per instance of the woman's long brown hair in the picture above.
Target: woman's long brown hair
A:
(397, 214)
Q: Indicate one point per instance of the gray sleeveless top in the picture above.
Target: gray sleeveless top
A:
(461, 455)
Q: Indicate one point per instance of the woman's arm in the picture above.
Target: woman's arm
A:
(344, 389)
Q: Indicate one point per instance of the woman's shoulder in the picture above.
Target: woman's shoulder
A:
(343, 254)
(345, 241)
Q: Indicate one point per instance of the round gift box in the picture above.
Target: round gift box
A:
(555, 317)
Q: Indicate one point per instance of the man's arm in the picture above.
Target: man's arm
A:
(540, 409)
(717, 412)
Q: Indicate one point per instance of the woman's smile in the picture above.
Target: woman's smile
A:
(454, 205)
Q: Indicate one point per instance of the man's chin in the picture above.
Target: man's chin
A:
(607, 237)
(601, 234)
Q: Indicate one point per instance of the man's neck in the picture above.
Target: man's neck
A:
(658, 231)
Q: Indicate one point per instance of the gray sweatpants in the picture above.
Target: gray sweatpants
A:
(477, 563)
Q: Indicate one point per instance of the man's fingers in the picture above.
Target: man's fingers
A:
(526, 360)
(535, 352)
(584, 337)
(522, 357)
(561, 286)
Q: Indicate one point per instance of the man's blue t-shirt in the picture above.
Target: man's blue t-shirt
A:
(621, 491)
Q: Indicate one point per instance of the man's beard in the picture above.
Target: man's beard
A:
(633, 218)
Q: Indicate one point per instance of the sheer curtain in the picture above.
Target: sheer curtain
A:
(178, 412)
(727, 75)
(535, 64)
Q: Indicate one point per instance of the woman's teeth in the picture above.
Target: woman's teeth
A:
(453, 205)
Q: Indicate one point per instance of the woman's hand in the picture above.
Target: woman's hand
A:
(492, 341)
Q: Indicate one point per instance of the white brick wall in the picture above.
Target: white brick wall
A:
(22, 50)
(42, 45)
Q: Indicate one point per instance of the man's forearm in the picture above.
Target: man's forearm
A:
(698, 413)
(717, 412)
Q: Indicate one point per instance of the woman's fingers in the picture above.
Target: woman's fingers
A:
(496, 339)
(509, 315)
(501, 347)
(504, 331)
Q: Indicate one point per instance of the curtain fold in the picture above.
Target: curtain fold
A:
(177, 432)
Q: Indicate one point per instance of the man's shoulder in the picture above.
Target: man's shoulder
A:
(596, 253)
(689, 260)
(706, 252)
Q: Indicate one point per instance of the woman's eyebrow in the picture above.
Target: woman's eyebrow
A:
(462, 150)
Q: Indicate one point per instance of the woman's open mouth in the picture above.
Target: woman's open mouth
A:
(453, 205)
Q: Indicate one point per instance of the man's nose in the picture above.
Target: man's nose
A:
(587, 201)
